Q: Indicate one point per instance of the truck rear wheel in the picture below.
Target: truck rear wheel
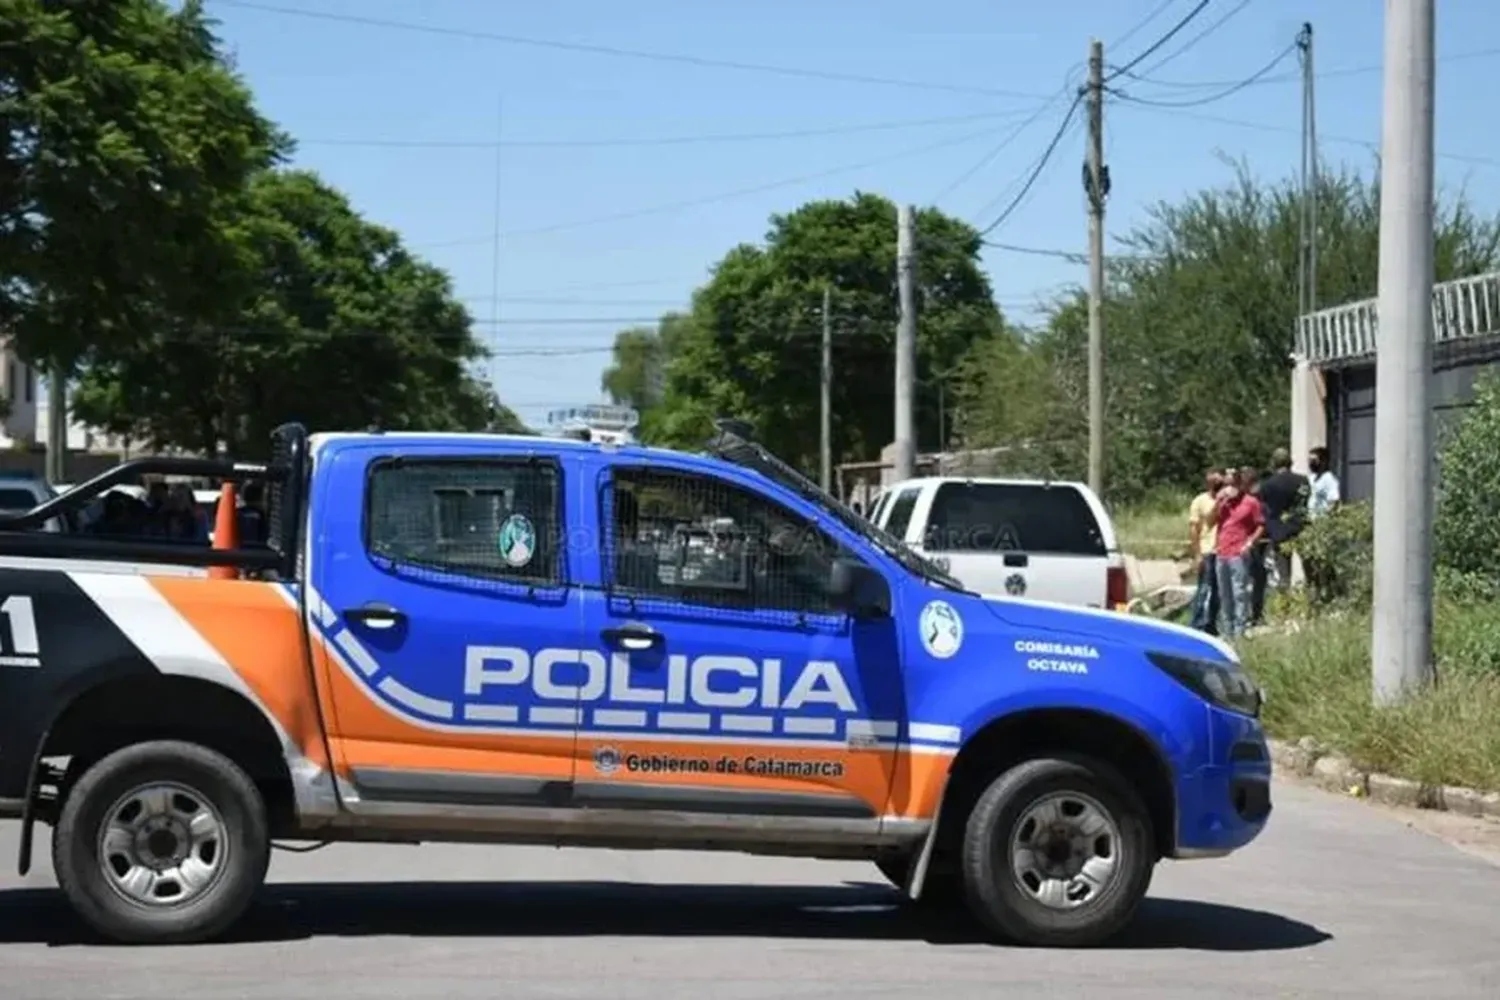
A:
(162, 842)
(1057, 853)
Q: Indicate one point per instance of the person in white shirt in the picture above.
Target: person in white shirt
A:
(1324, 495)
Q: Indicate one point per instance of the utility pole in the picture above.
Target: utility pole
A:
(1308, 265)
(906, 342)
(825, 382)
(57, 424)
(1401, 637)
(1096, 188)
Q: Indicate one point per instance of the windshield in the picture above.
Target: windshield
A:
(753, 456)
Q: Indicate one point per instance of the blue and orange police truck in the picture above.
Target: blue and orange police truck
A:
(523, 640)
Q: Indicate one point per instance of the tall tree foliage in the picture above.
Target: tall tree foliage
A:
(1199, 324)
(334, 324)
(123, 133)
(751, 346)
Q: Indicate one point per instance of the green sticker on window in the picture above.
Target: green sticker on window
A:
(517, 540)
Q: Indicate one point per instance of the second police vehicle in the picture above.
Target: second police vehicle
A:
(528, 640)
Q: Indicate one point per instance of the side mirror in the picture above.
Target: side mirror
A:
(859, 590)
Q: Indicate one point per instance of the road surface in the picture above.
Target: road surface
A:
(1336, 900)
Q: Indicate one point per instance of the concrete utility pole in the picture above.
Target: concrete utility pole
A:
(1308, 266)
(1096, 188)
(825, 382)
(1401, 640)
(906, 342)
(57, 425)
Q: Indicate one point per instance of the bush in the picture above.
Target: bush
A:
(1466, 530)
(1317, 683)
(1338, 556)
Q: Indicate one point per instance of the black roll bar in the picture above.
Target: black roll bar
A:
(285, 477)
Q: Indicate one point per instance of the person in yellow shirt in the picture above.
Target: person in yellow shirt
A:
(1202, 534)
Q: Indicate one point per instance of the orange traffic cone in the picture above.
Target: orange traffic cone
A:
(226, 531)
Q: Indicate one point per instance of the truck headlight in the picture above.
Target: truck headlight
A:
(1223, 684)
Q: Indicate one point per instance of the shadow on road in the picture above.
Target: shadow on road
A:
(855, 911)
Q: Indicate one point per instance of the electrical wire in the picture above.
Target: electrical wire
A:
(1141, 24)
(1211, 98)
(999, 147)
(1164, 39)
(1191, 42)
(715, 199)
(1372, 144)
(675, 140)
(1041, 165)
(686, 59)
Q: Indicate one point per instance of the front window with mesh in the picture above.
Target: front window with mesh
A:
(699, 540)
(497, 519)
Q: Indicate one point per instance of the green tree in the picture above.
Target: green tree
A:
(335, 324)
(1466, 530)
(752, 349)
(122, 134)
(1199, 322)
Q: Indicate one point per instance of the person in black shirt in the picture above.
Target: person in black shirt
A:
(1285, 494)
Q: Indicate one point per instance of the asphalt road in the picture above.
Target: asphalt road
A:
(1337, 899)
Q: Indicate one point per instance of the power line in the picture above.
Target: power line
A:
(1211, 98)
(1041, 165)
(1366, 69)
(1191, 42)
(1371, 144)
(1164, 39)
(672, 140)
(1141, 24)
(999, 148)
(726, 195)
(685, 59)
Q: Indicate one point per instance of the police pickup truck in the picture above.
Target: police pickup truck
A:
(523, 640)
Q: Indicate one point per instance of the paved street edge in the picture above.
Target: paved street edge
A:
(1336, 773)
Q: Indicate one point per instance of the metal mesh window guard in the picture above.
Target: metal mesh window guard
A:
(496, 519)
(698, 540)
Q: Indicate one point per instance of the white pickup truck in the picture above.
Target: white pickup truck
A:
(1025, 538)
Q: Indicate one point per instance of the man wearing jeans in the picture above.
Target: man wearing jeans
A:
(1202, 535)
(1241, 524)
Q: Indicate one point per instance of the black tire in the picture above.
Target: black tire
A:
(996, 896)
(214, 778)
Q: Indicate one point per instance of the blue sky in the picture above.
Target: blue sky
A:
(608, 225)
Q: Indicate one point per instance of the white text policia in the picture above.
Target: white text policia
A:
(741, 682)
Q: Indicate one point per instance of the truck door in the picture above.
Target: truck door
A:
(735, 687)
(443, 614)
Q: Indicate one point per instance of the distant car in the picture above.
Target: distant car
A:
(23, 491)
(1018, 538)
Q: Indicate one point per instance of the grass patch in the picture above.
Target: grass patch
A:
(1317, 684)
(1154, 528)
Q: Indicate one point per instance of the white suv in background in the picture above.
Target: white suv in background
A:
(1023, 538)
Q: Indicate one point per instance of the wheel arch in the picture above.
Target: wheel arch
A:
(1008, 739)
(118, 712)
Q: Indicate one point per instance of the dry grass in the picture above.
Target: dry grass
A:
(1317, 684)
(1155, 528)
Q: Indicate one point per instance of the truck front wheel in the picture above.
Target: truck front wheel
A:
(1057, 852)
(162, 842)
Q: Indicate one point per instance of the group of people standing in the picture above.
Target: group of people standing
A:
(1239, 527)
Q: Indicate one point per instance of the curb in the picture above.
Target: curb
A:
(1336, 773)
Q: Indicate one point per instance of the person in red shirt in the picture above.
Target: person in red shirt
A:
(1242, 522)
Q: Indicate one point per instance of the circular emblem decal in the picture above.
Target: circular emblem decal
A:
(1015, 585)
(517, 540)
(606, 760)
(941, 628)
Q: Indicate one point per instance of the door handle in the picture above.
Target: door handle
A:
(635, 638)
(1017, 559)
(375, 615)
